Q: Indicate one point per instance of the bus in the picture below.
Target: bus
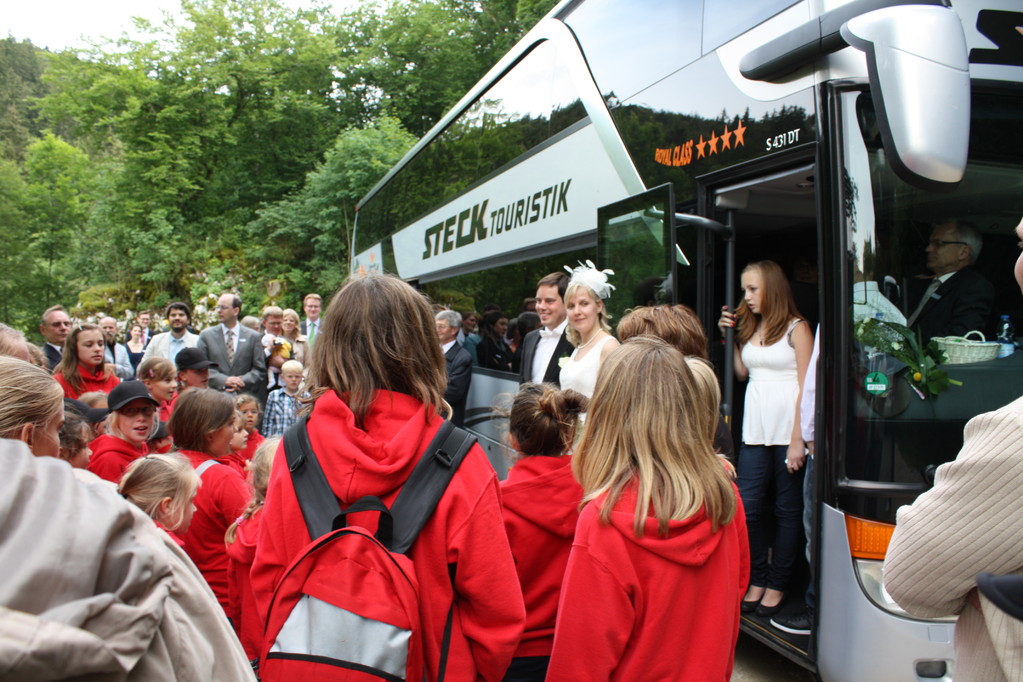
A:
(674, 142)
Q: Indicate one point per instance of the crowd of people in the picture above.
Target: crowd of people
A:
(626, 528)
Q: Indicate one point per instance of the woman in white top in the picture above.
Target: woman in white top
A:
(588, 328)
(773, 346)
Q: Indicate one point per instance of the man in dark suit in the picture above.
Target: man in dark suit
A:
(543, 348)
(240, 366)
(55, 327)
(312, 304)
(458, 364)
(957, 299)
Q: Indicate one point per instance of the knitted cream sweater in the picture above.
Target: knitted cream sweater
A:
(970, 522)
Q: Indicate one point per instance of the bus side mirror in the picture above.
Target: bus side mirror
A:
(920, 83)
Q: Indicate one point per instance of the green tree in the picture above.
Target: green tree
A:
(304, 239)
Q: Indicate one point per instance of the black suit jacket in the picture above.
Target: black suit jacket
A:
(52, 355)
(961, 304)
(553, 373)
(459, 368)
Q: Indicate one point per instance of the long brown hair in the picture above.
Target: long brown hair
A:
(676, 324)
(68, 365)
(664, 451)
(777, 307)
(378, 333)
(543, 419)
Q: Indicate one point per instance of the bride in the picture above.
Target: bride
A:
(588, 328)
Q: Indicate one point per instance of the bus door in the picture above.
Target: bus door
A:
(771, 214)
(633, 239)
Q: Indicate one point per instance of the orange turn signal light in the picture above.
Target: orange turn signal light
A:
(868, 539)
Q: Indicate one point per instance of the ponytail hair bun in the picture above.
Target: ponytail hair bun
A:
(544, 419)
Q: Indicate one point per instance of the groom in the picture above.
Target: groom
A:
(543, 348)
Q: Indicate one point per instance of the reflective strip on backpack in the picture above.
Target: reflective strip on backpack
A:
(319, 629)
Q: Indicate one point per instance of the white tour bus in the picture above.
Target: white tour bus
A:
(675, 142)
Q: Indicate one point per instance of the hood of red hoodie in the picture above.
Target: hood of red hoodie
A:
(374, 460)
(543, 491)
(108, 443)
(690, 542)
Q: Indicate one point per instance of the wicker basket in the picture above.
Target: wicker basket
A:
(961, 349)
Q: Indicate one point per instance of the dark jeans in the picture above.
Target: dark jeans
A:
(527, 669)
(759, 466)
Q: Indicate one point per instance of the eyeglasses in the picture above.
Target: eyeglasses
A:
(59, 324)
(938, 243)
(136, 411)
(224, 307)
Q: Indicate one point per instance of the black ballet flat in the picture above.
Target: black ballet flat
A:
(749, 606)
(768, 611)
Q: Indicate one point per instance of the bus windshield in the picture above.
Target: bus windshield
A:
(926, 270)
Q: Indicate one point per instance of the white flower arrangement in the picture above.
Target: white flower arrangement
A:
(589, 276)
(563, 361)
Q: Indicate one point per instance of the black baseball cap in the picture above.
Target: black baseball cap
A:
(93, 415)
(127, 391)
(192, 358)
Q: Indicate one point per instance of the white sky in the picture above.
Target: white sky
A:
(58, 24)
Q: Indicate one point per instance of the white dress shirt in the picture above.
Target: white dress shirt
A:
(545, 350)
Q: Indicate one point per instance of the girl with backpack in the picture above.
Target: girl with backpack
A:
(202, 427)
(377, 385)
(541, 506)
(660, 558)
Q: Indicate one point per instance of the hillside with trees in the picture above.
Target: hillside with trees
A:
(227, 148)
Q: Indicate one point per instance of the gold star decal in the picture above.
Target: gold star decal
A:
(740, 134)
(713, 142)
(700, 153)
(726, 140)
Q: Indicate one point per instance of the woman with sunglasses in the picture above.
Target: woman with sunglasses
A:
(132, 420)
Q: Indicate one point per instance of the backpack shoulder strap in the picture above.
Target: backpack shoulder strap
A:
(201, 469)
(318, 503)
(426, 485)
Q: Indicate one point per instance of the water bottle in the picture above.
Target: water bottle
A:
(1006, 337)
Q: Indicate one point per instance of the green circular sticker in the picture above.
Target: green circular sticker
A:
(877, 383)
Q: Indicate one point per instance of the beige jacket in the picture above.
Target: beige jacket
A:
(90, 587)
(970, 522)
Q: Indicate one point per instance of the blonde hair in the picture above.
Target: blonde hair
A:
(244, 399)
(544, 419)
(111, 423)
(260, 466)
(94, 399)
(777, 307)
(291, 366)
(662, 448)
(28, 395)
(603, 319)
(149, 480)
(708, 392)
(378, 334)
(157, 369)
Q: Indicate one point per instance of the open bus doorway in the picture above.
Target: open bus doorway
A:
(773, 216)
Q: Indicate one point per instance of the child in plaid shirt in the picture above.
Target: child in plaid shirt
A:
(282, 405)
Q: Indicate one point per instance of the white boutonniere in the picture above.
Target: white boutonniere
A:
(563, 361)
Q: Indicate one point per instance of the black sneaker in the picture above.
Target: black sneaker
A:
(794, 624)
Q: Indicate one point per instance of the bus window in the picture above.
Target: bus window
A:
(905, 416)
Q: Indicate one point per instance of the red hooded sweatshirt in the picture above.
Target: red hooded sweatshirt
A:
(90, 382)
(219, 502)
(111, 456)
(466, 529)
(242, 609)
(654, 607)
(541, 507)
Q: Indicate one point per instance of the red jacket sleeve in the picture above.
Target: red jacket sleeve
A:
(595, 618)
(490, 606)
